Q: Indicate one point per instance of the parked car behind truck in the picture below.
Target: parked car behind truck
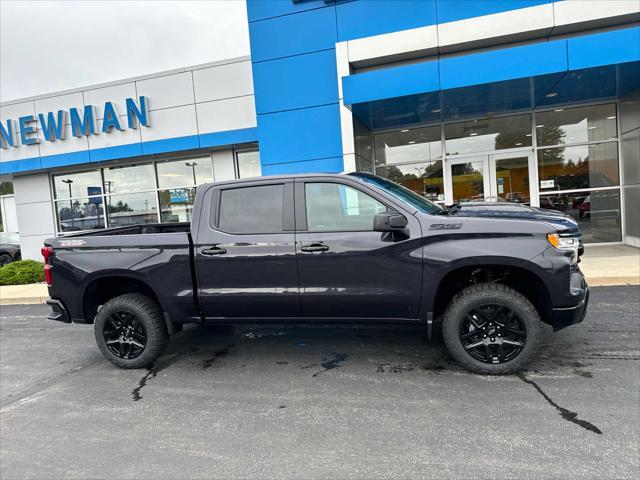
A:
(326, 248)
(9, 248)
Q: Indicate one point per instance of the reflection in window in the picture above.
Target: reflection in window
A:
(252, 209)
(488, 134)
(406, 146)
(331, 206)
(132, 209)
(176, 204)
(184, 173)
(249, 164)
(129, 179)
(468, 181)
(80, 214)
(569, 168)
(576, 125)
(597, 212)
(72, 185)
(423, 178)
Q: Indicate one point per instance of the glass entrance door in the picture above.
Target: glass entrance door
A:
(468, 179)
(501, 177)
(510, 177)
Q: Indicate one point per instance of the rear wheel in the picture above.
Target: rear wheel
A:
(130, 331)
(492, 329)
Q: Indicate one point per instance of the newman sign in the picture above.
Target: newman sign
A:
(82, 122)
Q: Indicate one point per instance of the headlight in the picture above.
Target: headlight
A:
(564, 243)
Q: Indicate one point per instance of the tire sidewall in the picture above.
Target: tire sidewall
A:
(145, 315)
(474, 297)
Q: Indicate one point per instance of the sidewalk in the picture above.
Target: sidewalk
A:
(611, 265)
(23, 294)
(603, 266)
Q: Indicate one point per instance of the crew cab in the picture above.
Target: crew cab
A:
(321, 248)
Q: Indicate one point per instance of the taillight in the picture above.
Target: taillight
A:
(47, 253)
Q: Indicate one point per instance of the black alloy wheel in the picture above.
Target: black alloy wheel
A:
(124, 335)
(492, 333)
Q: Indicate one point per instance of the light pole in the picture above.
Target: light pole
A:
(193, 169)
(68, 181)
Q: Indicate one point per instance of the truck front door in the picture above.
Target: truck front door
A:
(346, 269)
(245, 252)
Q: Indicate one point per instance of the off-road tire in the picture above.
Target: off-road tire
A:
(498, 294)
(148, 313)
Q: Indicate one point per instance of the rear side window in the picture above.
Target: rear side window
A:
(332, 206)
(252, 209)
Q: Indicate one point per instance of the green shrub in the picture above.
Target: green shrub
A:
(22, 272)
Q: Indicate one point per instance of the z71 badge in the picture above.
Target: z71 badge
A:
(445, 226)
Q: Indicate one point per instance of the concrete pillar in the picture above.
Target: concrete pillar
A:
(34, 206)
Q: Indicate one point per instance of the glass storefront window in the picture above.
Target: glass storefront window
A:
(132, 209)
(184, 173)
(585, 166)
(129, 179)
(488, 134)
(576, 125)
(406, 146)
(424, 178)
(176, 204)
(249, 164)
(597, 212)
(72, 185)
(80, 214)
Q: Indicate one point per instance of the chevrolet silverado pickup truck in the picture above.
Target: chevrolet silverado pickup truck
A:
(319, 249)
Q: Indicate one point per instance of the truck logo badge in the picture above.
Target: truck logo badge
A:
(445, 226)
(72, 243)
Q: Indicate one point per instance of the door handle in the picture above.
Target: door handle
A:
(213, 251)
(314, 247)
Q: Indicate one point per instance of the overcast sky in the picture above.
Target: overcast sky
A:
(48, 46)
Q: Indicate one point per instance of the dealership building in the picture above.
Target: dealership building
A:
(527, 101)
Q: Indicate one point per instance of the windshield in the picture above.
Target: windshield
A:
(9, 238)
(408, 196)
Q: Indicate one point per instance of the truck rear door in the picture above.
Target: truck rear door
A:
(244, 251)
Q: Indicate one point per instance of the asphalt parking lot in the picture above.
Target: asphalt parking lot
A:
(319, 402)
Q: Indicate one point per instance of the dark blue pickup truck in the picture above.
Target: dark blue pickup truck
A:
(317, 249)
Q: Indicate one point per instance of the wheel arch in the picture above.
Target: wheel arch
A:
(100, 289)
(517, 275)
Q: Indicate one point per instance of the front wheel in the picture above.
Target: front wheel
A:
(130, 331)
(492, 329)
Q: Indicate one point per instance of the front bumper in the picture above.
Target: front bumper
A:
(58, 311)
(565, 316)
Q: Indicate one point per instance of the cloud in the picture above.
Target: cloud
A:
(49, 46)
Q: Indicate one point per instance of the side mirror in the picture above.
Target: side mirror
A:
(389, 222)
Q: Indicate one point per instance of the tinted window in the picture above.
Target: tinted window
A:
(331, 206)
(252, 209)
